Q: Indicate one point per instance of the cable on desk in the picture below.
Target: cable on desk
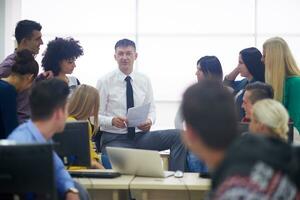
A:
(186, 187)
(129, 193)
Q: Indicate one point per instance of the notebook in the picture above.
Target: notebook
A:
(137, 162)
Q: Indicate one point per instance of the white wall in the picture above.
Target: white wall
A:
(171, 35)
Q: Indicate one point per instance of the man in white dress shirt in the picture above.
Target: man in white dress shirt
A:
(125, 88)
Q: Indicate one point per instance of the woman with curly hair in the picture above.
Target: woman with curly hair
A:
(60, 57)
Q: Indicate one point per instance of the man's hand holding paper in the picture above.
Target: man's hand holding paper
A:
(138, 117)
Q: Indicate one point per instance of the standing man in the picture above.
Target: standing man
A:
(48, 104)
(28, 36)
(123, 89)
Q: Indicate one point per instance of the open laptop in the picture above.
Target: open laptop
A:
(137, 162)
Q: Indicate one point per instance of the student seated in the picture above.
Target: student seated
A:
(251, 68)
(23, 72)
(208, 67)
(254, 92)
(270, 118)
(246, 167)
(283, 73)
(48, 101)
(83, 104)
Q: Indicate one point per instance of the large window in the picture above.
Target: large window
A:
(171, 35)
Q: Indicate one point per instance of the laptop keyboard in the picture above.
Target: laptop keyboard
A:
(86, 174)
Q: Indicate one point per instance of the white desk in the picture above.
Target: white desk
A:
(146, 188)
(107, 188)
(188, 187)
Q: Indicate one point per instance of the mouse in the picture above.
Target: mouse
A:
(178, 174)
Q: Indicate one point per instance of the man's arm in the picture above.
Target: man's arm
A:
(63, 179)
(104, 121)
(151, 116)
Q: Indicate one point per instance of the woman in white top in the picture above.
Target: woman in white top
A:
(60, 57)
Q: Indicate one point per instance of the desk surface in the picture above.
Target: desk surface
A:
(121, 182)
(190, 181)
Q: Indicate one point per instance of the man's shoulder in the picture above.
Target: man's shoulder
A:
(21, 134)
(141, 77)
(260, 183)
(8, 61)
(108, 76)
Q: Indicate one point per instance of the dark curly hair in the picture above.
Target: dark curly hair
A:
(60, 49)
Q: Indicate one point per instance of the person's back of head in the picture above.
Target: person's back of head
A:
(208, 108)
(25, 64)
(125, 43)
(46, 97)
(25, 28)
(259, 91)
(211, 67)
(58, 50)
(84, 103)
(252, 59)
(271, 118)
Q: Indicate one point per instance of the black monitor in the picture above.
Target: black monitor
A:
(27, 169)
(244, 127)
(73, 144)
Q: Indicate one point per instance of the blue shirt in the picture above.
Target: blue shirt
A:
(29, 133)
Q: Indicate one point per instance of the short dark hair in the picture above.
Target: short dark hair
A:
(252, 59)
(208, 107)
(47, 96)
(25, 64)
(259, 91)
(25, 28)
(60, 49)
(125, 43)
(211, 67)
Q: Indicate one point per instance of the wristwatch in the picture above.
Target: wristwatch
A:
(73, 190)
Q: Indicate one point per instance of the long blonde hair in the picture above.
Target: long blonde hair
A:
(84, 103)
(279, 63)
(272, 114)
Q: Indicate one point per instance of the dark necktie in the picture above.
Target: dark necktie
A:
(130, 104)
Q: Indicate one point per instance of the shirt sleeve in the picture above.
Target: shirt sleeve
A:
(9, 110)
(292, 102)
(104, 121)
(63, 178)
(150, 99)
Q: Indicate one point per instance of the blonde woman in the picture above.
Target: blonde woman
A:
(83, 104)
(269, 117)
(283, 75)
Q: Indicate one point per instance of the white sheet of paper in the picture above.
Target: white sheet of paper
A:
(137, 115)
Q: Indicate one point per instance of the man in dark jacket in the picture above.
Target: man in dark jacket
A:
(245, 167)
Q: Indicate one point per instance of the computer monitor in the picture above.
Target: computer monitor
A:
(73, 144)
(27, 169)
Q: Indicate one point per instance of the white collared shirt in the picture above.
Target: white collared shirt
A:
(112, 91)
